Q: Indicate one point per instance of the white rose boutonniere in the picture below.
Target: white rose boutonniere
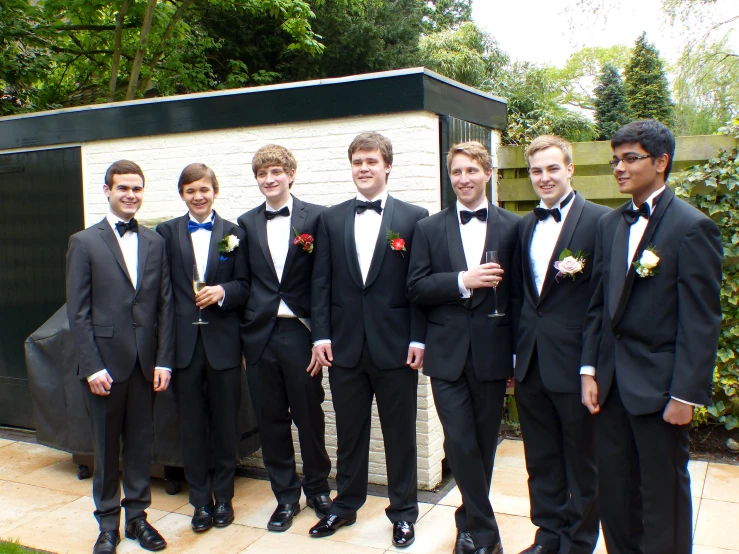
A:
(569, 264)
(646, 265)
(228, 244)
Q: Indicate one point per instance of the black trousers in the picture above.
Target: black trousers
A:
(559, 443)
(470, 411)
(352, 391)
(208, 403)
(283, 392)
(644, 482)
(122, 418)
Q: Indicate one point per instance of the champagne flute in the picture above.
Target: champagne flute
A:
(491, 257)
(198, 283)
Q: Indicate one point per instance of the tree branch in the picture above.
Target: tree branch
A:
(120, 16)
(62, 28)
(136, 69)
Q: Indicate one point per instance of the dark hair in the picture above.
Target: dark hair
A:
(373, 141)
(123, 167)
(653, 136)
(195, 172)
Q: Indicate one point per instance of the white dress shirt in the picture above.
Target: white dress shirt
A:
(544, 239)
(473, 235)
(201, 245)
(279, 235)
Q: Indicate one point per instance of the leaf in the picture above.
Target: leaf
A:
(566, 253)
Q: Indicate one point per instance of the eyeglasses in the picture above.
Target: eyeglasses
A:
(628, 160)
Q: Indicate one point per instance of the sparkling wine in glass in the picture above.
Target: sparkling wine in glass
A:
(198, 284)
(491, 257)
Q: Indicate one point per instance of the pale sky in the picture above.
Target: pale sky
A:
(548, 31)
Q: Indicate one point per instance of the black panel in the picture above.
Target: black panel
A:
(40, 207)
(391, 92)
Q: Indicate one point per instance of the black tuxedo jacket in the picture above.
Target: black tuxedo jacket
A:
(657, 335)
(221, 335)
(266, 289)
(455, 324)
(551, 323)
(346, 310)
(112, 323)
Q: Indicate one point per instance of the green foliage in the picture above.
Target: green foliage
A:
(13, 547)
(713, 188)
(446, 14)
(646, 84)
(611, 105)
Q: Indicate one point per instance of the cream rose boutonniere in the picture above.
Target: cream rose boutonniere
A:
(646, 265)
(569, 264)
(228, 244)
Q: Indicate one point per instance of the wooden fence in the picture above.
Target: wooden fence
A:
(593, 176)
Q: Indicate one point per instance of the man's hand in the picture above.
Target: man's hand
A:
(101, 385)
(161, 379)
(415, 357)
(209, 295)
(590, 393)
(315, 366)
(324, 354)
(482, 276)
(678, 413)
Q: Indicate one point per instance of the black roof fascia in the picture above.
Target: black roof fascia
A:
(374, 94)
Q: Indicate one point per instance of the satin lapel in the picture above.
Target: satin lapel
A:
(350, 245)
(297, 220)
(528, 271)
(112, 242)
(186, 250)
(214, 254)
(143, 253)
(492, 242)
(565, 236)
(454, 241)
(381, 246)
(654, 220)
(617, 263)
(260, 222)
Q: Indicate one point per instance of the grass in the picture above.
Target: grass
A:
(15, 548)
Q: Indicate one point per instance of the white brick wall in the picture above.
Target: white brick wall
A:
(323, 177)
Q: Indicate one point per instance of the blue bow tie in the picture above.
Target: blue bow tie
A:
(194, 226)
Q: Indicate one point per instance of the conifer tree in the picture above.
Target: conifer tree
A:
(611, 104)
(646, 84)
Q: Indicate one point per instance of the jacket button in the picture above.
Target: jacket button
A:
(134, 326)
(472, 314)
(617, 336)
(540, 314)
(364, 293)
(135, 302)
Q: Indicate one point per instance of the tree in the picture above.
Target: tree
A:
(611, 104)
(646, 84)
(446, 14)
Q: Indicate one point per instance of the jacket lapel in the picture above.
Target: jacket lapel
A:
(454, 241)
(214, 254)
(664, 202)
(186, 250)
(143, 253)
(112, 242)
(381, 246)
(350, 245)
(260, 222)
(528, 270)
(565, 236)
(297, 220)
(492, 243)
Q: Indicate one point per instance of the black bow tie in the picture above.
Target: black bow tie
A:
(543, 213)
(122, 227)
(284, 211)
(465, 216)
(375, 205)
(632, 216)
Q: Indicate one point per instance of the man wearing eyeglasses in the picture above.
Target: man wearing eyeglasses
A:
(650, 341)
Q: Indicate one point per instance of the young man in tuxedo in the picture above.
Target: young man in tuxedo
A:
(557, 247)
(650, 342)
(207, 386)
(469, 355)
(276, 338)
(370, 336)
(119, 303)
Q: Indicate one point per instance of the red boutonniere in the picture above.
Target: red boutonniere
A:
(396, 243)
(304, 241)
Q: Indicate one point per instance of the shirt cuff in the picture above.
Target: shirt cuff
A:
(98, 374)
(514, 360)
(686, 402)
(164, 368)
(587, 370)
(322, 341)
(414, 344)
(222, 300)
(464, 293)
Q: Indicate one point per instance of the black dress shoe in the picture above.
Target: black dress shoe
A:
(106, 543)
(223, 514)
(464, 544)
(538, 549)
(328, 525)
(148, 537)
(321, 504)
(202, 519)
(494, 549)
(282, 517)
(403, 534)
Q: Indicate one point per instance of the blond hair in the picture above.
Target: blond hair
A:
(373, 141)
(471, 149)
(550, 141)
(273, 155)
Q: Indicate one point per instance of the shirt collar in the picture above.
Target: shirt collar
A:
(212, 217)
(650, 200)
(382, 197)
(113, 219)
(483, 204)
(289, 205)
(563, 211)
